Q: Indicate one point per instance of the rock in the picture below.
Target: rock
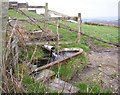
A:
(44, 75)
(62, 86)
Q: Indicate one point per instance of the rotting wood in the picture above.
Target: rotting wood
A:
(58, 61)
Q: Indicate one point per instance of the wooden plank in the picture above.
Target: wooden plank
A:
(48, 19)
(55, 18)
(62, 86)
(36, 6)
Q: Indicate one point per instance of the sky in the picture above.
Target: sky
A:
(88, 8)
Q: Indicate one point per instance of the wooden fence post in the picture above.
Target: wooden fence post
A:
(57, 43)
(46, 14)
(79, 28)
(3, 22)
(46, 10)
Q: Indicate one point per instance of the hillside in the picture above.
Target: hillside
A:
(15, 14)
(74, 68)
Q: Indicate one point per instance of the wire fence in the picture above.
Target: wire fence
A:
(20, 70)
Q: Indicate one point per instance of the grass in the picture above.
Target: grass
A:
(33, 86)
(30, 27)
(27, 55)
(109, 34)
(68, 70)
(105, 33)
(29, 84)
(14, 14)
(92, 89)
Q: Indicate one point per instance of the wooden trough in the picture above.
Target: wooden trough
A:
(71, 52)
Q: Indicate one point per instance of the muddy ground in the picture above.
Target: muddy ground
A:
(102, 68)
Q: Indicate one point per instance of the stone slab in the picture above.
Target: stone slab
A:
(44, 75)
(62, 86)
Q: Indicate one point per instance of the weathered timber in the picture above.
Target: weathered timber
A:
(48, 19)
(58, 37)
(79, 27)
(36, 6)
(32, 11)
(58, 61)
(46, 14)
(46, 10)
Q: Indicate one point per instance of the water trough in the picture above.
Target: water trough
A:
(53, 58)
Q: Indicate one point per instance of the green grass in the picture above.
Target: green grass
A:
(14, 14)
(69, 68)
(102, 32)
(27, 55)
(93, 89)
(30, 27)
(109, 34)
(105, 33)
(33, 86)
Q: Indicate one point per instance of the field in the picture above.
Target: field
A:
(68, 70)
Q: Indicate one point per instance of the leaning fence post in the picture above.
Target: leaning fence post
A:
(79, 28)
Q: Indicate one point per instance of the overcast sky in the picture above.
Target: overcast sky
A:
(88, 8)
